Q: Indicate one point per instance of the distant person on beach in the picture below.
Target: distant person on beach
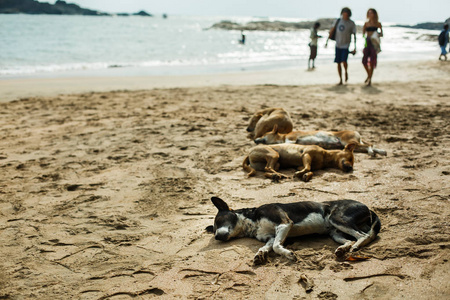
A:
(342, 31)
(443, 42)
(242, 40)
(372, 47)
(313, 44)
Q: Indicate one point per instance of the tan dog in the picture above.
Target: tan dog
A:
(324, 139)
(264, 120)
(304, 158)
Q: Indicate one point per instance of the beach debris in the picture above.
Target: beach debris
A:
(353, 278)
(357, 258)
(306, 282)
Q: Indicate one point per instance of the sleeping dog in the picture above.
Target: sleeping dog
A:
(324, 139)
(264, 120)
(306, 158)
(348, 222)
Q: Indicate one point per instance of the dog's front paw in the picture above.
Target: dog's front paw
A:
(278, 176)
(307, 177)
(299, 174)
(260, 257)
(291, 256)
(340, 252)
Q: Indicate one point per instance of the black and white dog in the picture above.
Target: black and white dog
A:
(273, 223)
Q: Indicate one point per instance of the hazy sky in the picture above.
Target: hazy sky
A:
(399, 11)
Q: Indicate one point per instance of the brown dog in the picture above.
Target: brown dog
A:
(324, 139)
(264, 120)
(304, 158)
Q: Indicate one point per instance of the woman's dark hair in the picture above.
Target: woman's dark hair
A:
(375, 12)
(317, 25)
(446, 26)
(347, 10)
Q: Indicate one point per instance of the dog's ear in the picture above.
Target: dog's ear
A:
(350, 147)
(219, 203)
(210, 229)
(275, 128)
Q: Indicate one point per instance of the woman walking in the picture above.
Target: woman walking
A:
(372, 48)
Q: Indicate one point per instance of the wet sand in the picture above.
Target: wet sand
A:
(105, 195)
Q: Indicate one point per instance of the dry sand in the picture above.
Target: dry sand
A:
(106, 195)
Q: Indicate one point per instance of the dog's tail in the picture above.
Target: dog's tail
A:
(247, 167)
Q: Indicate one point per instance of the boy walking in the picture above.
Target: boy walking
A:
(313, 44)
(343, 29)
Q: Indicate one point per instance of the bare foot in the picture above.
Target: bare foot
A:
(340, 83)
(346, 76)
(367, 79)
(369, 83)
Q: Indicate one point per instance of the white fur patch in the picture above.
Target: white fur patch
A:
(319, 138)
(266, 229)
(314, 223)
(222, 230)
(288, 141)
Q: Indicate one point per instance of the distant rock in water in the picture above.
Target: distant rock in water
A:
(428, 25)
(325, 24)
(141, 13)
(35, 7)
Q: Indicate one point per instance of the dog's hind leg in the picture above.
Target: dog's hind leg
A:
(263, 252)
(273, 165)
(338, 237)
(368, 237)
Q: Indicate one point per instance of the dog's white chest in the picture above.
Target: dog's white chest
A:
(314, 223)
(266, 230)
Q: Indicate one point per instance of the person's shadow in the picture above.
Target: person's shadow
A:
(371, 90)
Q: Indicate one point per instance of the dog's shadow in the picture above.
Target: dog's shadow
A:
(324, 173)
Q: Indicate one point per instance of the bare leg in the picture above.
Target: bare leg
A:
(367, 70)
(369, 82)
(345, 69)
(340, 73)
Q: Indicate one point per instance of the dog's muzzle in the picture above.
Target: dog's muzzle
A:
(259, 141)
(222, 237)
(249, 130)
(347, 168)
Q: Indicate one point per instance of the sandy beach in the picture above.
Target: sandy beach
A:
(106, 183)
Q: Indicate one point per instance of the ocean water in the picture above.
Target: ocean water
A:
(45, 46)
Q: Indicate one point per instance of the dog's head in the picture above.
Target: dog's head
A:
(225, 222)
(253, 121)
(271, 137)
(345, 158)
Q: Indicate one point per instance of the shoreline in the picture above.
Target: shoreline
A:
(387, 71)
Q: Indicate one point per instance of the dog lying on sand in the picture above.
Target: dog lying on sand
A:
(264, 120)
(271, 158)
(324, 139)
(343, 220)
